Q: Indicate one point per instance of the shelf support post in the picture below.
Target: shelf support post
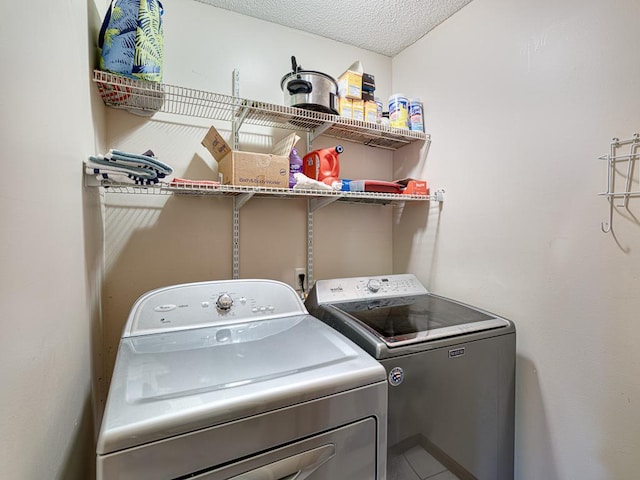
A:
(238, 202)
(309, 245)
(235, 125)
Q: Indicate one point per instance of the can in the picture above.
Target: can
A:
(398, 111)
(416, 115)
(380, 109)
(370, 112)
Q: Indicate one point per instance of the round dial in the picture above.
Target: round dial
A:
(224, 301)
(374, 285)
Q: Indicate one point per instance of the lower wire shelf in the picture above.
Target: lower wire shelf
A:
(327, 196)
(316, 199)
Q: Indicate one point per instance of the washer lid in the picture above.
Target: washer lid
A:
(419, 318)
(180, 381)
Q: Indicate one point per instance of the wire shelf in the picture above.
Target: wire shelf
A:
(264, 192)
(147, 98)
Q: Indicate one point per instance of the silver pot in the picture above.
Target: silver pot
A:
(309, 90)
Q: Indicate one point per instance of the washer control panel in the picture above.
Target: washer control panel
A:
(356, 288)
(203, 304)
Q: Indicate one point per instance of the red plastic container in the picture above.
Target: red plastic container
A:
(323, 164)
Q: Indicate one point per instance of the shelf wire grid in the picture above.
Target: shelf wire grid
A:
(262, 192)
(147, 98)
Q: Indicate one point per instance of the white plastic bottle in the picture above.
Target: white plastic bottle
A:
(416, 115)
(398, 111)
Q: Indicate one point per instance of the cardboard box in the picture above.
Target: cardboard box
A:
(368, 82)
(413, 186)
(368, 96)
(371, 112)
(248, 168)
(345, 107)
(358, 110)
(350, 85)
(350, 82)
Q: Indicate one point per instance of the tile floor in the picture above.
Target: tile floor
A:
(416, 463)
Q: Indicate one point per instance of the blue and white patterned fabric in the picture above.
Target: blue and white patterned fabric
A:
(131, 39)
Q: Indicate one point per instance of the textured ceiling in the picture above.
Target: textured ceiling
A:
(382, 26)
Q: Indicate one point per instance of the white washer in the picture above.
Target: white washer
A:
(235, 380)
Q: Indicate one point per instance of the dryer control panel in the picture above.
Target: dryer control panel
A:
(356, 288)
(204, 304)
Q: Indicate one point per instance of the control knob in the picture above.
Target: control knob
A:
(224, 301)
(374, 285)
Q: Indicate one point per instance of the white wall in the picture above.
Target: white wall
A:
(154, 242)
(521, 98)
(50, 241)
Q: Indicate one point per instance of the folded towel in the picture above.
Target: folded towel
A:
(125, 167)
(147, 159)
(119, 177)
(108, 166)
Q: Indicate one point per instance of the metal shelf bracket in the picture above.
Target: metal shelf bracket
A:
(316, 132)
(318, 203)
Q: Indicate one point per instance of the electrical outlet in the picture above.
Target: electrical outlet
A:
(296, 279)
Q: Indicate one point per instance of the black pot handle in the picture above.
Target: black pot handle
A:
(298, 85)
(294, 64)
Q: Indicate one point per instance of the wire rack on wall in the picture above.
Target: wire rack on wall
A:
(147, 98)
(621, 167)
(319, 197)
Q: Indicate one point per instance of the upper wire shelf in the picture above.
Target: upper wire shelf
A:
(147, 98)
(624, 174)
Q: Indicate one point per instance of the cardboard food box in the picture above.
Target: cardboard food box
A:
(248, 168)
(358, 110)
(413, 186)
(368, 82)
(345, 107)
(370, 112)
(368, 96)
(350, 82)
(350, 85)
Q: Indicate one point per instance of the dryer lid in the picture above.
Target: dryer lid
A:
(180, 381)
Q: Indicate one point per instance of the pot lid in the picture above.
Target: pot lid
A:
(298, 70)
